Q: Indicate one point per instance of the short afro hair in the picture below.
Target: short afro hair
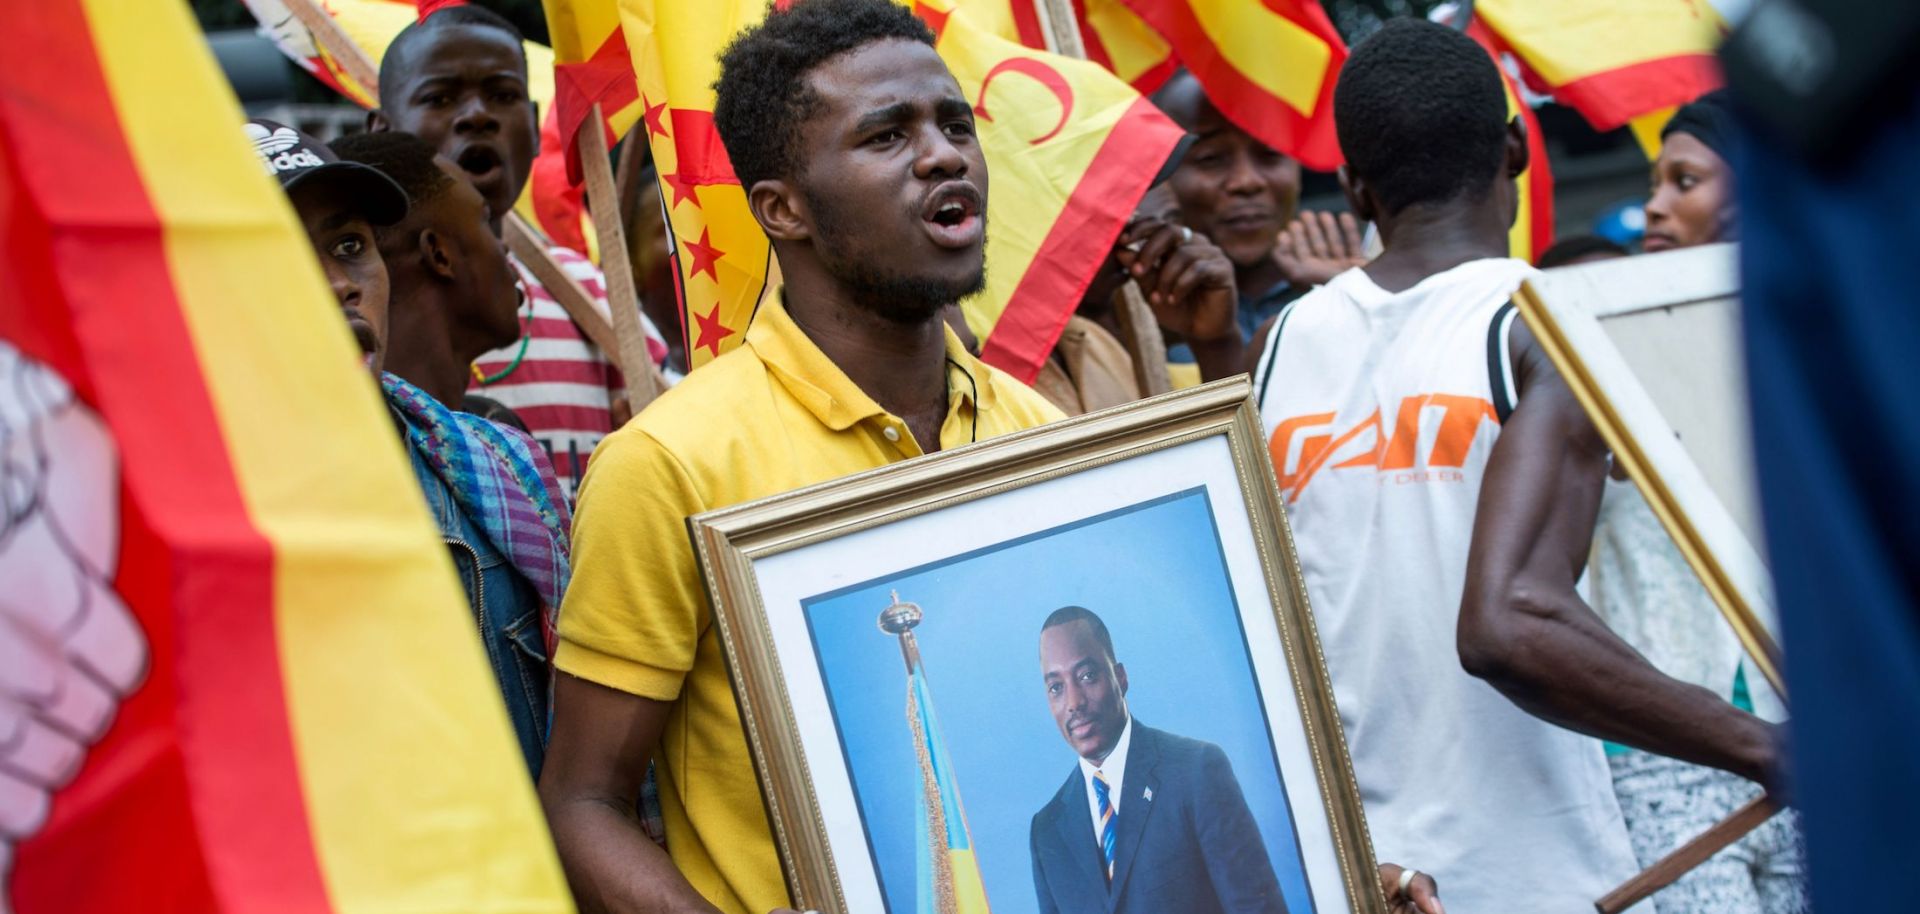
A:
(762, 94)
(400, 52)
(1066, 614)
(407, 159)
(1421, 114)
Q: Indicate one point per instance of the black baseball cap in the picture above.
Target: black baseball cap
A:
(297, 159)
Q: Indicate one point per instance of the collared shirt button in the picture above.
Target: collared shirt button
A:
(893, 434)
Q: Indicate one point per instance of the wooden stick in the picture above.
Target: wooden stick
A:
(531, 249)
(1061, 28)
(334, 40)
(1140, 329)
(1687, 856)
(604, 199)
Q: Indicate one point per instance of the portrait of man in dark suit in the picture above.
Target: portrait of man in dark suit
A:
(1147, 821)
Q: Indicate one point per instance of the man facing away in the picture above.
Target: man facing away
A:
(1442, 483)
(1147, 821)
(488, 487)
(458, 80)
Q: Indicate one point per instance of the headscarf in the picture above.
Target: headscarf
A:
(1708, 119)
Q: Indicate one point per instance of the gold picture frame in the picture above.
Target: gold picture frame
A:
(1010, 487)
(1617, 328)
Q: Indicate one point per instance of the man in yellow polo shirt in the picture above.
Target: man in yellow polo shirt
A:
(858, 153)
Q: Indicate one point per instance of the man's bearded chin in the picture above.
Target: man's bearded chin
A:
(895, 297)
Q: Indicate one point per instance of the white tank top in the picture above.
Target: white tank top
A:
(1381, 410)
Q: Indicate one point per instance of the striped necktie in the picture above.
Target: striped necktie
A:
(1103, 793)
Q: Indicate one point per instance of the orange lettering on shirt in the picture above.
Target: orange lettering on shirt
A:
(1459, 425)
(1310, 448)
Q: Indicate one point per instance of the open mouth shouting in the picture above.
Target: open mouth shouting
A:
(363, 335)
(954, 216)
(481, 163)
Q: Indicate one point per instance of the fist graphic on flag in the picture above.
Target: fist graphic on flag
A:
(70, 651)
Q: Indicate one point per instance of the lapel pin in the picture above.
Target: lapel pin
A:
(1147, 795)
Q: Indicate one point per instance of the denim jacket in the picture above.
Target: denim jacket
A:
(506, 609)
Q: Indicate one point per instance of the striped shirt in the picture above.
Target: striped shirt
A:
(564, 385)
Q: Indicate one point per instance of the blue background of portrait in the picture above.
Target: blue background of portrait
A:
(1155, 573)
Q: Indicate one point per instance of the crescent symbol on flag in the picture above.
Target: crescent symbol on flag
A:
(1045, 75)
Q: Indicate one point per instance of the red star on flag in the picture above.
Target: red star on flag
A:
(705, 255)
(653, 116)
(683, 189)
(712, 330)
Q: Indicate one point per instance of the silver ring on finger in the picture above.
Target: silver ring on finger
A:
(1186, 234)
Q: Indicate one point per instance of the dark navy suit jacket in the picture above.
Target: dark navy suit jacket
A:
(1186, 843)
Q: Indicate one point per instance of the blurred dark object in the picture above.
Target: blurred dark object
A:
(259, 73)
(493, 411)
(1813, 72)
(1831, 329)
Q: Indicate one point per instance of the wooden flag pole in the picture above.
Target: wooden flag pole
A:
(334, 41)
(1687, 856)
(603, 198)
(1140, 329)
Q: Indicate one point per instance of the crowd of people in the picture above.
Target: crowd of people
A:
(1476, 675)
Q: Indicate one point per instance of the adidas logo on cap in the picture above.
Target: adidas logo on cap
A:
(278, 149)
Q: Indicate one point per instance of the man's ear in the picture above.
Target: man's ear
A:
(536, 125)
(1359, 196)
(1517, 154)
(781, 210)
(436, 255)
(377, 121)
(1120, 675)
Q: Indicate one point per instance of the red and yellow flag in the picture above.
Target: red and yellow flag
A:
(301, 717)
(1269, 65)
(1611, 60)
(1071, 149)
(1113, 36)
(591, 65)
(1532, 230)
(551, 201)
(1124, 43)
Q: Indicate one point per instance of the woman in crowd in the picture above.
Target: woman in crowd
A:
(1649, 595)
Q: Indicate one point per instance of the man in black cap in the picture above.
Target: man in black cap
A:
(338, 203)
(488, 487)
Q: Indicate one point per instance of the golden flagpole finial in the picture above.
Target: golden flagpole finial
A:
(900, 618)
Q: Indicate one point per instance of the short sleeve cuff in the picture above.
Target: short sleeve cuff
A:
(616, 672)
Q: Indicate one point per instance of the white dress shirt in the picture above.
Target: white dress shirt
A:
(1114, 770)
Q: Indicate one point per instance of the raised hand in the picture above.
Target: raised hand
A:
(1316, 247)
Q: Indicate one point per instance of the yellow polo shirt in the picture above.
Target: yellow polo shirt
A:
(773, 415)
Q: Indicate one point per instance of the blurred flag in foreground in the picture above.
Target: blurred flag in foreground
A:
(1071, 150)
(237, 673)
(1269, 66)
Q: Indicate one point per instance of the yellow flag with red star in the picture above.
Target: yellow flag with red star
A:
(590, 66)
(1071, 150)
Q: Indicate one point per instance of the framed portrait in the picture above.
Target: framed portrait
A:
(1651, 347)
(1070, 669)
